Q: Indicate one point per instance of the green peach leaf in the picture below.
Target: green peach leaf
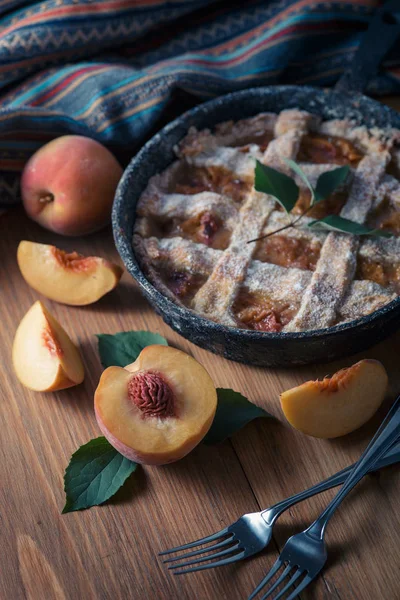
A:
(274, 183)
(338, 223)
(121, 349)
(95, 473)
(297, 169)
(234, 411)
(328, 182)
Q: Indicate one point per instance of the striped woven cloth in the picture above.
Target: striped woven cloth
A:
(115, 69)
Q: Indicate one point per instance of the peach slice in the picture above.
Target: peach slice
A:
(157, 409)
(337, 405)
(43, 355)
(69, 278)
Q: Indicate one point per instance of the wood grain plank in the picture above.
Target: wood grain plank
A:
(110, 551)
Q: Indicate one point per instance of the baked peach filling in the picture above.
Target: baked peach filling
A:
(330, 206)
(386, 217)
(393, 169)
(288, 252)
(183, 285)
(384, 274)
(322, 149)
(194, 180)
(258, 312)
(204, 228)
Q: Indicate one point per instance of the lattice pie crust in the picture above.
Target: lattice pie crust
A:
(194, 221)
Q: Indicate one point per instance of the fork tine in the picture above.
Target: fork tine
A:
(204, 558)
(203, 540)
(201, 551)
(278, 563)
(280, 579)
(300, 587)
(291, 581)
(219, 563)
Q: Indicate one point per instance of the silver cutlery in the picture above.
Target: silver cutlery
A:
(305, 553)
(252, 532)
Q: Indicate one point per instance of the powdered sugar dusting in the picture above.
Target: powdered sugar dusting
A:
(326, 297)
(337, 264)
(215, 299)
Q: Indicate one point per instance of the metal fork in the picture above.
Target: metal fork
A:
(253, 531)
(305, 553)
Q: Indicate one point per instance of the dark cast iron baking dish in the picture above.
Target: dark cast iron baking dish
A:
(345, 101)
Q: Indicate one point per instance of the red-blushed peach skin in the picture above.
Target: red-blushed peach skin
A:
(156, 440)
(337, 405)
(68, 185)
(44, 357)
(69, 278)
(132, 454)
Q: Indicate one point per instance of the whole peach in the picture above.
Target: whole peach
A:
(68, 185)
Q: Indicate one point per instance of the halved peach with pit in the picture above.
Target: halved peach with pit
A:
(339, 404)
(69, 278)
(44, 357)
(156, 410)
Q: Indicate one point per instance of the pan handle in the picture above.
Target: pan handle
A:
(380, 36)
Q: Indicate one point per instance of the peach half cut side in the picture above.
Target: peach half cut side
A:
(69, 278)
(44, 357)
(156, 410)
(337, 405)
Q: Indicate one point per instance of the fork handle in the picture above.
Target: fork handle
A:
(386, 435)
(271, 514)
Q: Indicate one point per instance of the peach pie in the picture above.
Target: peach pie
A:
(194, 222)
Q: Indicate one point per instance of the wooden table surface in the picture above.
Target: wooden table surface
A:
(110, 552)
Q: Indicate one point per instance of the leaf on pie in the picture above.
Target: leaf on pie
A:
(121, 349)
(234, 411)
(95, 473)
(276, 184)
(297, 169)
(338, 223)
(329, 181)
